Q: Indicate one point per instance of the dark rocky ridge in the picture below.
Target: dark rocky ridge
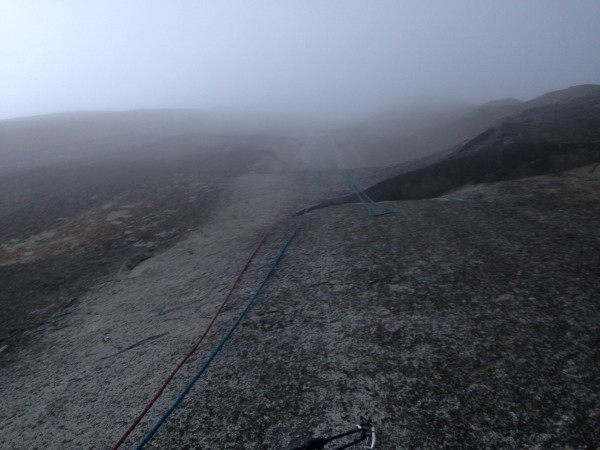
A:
(539, 140)
(398, 138)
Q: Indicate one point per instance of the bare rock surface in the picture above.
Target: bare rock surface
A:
(68, 227)
(545, 137)
(466, 321)
(91, 369)
(455, 323)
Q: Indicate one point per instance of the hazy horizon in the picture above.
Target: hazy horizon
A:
(336, 60)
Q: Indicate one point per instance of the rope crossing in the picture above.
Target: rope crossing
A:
(364, 198)
(232, 329)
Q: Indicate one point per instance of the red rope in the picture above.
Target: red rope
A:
(195, 347)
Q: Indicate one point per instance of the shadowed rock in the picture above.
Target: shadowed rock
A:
(540, 140)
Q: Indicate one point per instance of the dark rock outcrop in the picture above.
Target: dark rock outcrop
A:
(540, 140)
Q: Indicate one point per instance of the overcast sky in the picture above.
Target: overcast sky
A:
(323, 57)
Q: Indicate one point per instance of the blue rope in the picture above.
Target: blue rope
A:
(364, 197)
(205, 366)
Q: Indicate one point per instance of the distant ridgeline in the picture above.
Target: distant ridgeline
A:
(552, 138)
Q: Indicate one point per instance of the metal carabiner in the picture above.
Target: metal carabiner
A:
(368, 430)
(370, 444)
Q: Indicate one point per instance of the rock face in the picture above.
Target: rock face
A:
(469, 320)
(539, 140)
(410, 135)
(66, 227)
(548, 139)
(456, 323)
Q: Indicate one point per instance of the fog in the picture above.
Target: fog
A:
(324, 59)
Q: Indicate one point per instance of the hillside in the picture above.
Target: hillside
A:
(469, 318)
(57, 139)
(562, 135)
(85, 193)
(389, 141)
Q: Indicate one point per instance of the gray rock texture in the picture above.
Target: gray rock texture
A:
(467, 321)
